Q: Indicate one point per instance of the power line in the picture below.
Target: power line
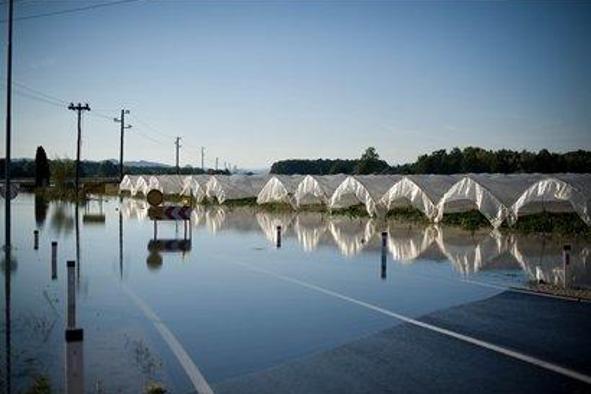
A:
(152, 128)
(71, 10)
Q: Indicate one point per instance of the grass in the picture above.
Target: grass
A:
(407, 214)
(358, 210)
(552, 223)
(40, 386)
(470, 221)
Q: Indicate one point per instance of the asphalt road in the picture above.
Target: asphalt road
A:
(411, 359)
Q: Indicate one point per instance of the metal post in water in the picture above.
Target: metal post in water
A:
(278, 236)
(71, 294)
(36, 241)
(54, 260)
(565, 263)
(384, 253)
(74, 361)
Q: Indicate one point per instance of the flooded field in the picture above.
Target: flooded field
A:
(230, 294)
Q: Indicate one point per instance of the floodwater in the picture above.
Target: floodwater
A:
(226, 297)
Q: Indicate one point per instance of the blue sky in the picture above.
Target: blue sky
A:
(258, 81)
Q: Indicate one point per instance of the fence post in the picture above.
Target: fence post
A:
(384, 254)
(54, 260)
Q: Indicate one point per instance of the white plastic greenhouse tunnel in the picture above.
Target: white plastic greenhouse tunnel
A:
(141, 185)
(422, 192)
(233, 187)
(167, 184)
(128, 183)
(363, 189)
(279, 189)
(194, 186)
(556, 193)
(317, 189)
(491, 194)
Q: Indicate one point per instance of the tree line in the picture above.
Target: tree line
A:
(61, 170)
(456, 161)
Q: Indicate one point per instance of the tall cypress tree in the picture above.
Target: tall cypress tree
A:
(42, 173)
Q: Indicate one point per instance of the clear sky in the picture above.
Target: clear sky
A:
(258, 81)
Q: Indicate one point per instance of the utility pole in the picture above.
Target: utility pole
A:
(8, 134)
(202, 158)
(78, 108)
(7, 232)
(123, 127)
(177, 142)
(216, 163)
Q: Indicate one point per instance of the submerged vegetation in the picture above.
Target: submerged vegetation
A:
(407, 214)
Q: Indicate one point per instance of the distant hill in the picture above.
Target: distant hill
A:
(141, 163)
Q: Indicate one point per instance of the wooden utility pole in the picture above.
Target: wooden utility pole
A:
(123, 127)
(202, 158)
(216, 163)
(7, 186)
(78, 108)
(177, 142)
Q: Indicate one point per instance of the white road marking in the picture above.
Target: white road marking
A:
(465, 338)
(199, 382)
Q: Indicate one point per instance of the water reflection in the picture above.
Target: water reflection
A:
(8, 264)
(540, 258)
(351, 235)
(41, 208)
(61, 220)
(310, 228)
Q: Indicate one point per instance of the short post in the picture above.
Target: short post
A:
(54, 260)
(278, 236)
(74, 361)
(384, 253)
(566, 263)
(36, 237)
(71, 311)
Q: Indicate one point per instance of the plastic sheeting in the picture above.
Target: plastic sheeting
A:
(129, 183)
(556, 193)
(491, 194)
(234, 187)
(362, 189)
(142, 185)
(279, 189)
(422, 192)
(317, 189)
(167, 184)
(194, 186)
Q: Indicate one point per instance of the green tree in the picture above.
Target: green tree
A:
(370, 163)
(42, 172)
